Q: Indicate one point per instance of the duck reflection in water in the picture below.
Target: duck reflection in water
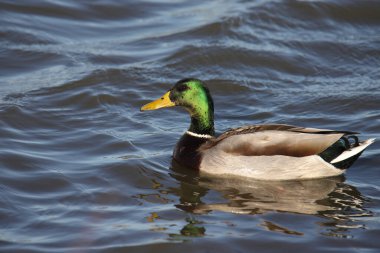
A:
(330, 198)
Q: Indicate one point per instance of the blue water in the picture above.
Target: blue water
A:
(83, 170)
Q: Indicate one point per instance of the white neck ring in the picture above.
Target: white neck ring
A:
(204, 136)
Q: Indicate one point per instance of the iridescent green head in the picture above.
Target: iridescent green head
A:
(195, 98)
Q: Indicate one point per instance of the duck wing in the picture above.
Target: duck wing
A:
(275, 139)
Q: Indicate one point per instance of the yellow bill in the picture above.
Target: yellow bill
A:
(162, 102)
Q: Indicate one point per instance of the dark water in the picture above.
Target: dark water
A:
(82, 170)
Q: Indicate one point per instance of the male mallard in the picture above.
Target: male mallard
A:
(264, 152)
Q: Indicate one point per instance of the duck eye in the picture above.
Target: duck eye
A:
(182, 88)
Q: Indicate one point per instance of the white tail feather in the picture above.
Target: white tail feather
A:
(353, 151)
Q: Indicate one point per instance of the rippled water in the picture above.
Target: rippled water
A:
(82, 170)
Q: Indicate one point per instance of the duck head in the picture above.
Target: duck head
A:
(195, 97)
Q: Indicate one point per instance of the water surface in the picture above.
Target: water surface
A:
(83, 170)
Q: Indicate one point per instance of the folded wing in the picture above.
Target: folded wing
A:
(271, 140)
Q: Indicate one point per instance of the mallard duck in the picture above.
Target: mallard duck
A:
(262, 152)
